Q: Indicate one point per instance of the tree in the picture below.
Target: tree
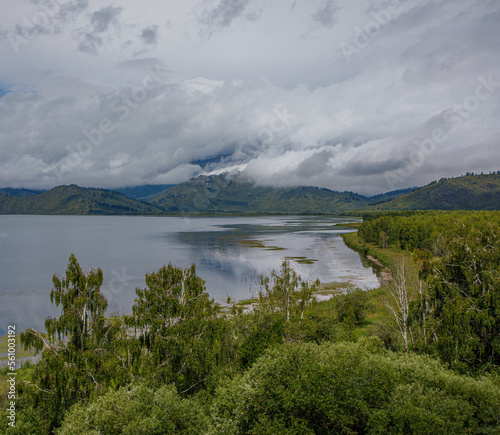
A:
(401, 296)
(352, 307)
(464, 297)
(285, 292)
(83, 308)
(70, 371)
(352, 388)
(172, 295)
(179, 328)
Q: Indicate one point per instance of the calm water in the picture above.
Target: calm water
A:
(228, 253)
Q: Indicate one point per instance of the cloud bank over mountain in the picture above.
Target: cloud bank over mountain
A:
(361, 96)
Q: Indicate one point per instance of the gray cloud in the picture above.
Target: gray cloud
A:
(224, 14)
(102, 18)
(325, 15)
(275, 98)
(90, 38)
(49, 17)
(149, 35)
(316, 164)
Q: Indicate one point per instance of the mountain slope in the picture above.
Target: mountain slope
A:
(75, 200)
(471, 192)
(234, 194)
(9, 191)
(144, 193)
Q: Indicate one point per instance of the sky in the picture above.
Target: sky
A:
(365, 96)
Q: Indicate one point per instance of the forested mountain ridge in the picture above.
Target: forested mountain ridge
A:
(469, 192)
(234, 194)
(75, 200)
(10, 191)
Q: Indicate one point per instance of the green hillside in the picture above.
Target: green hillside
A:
(9, 191)
(225, 194)
(469, 192)
(144, 193)
(75, 200)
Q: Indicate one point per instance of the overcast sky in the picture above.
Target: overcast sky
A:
(367, 96)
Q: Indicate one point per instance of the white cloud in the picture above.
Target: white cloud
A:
(150, 96)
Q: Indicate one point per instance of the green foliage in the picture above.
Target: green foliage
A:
(180, 328)
(463, 306)
(257, 332)
(419, 230)
(136, 409)
(352, 307)
(352, 388)
(172, 295)
(80, 364)
(472, 192)
(285, 292)
(83, 306)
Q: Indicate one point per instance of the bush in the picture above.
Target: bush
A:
(352, 307)
(352, 388)
(136, 409)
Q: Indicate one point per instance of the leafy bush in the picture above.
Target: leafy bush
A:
(352, 388)
(137, 409)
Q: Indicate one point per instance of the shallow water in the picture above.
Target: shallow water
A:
(228, 252)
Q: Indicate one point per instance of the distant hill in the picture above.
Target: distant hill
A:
(383, 197)
(469, 192)
(235, 194)
(75, 200)
(144, 193)
(9, 191)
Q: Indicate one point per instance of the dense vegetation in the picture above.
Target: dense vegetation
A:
(180, 363)
(457, 316)
(469, 192)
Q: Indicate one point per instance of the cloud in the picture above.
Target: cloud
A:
(273, 97)
(149, 35)
(224, 14)
(48, 18)
(102, 18)
(316, 164)
(90, 38)
(325, 15)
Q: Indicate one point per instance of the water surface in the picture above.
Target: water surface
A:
(228, 252)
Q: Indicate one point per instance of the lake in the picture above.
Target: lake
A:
(228, 252)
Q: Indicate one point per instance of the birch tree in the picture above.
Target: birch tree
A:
(401, 292)
(285, 292)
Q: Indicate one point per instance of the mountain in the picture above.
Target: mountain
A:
(468, 192)
(383, 197)
(75, 200)
(9, 191)
(144, 193)
(235, 194)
